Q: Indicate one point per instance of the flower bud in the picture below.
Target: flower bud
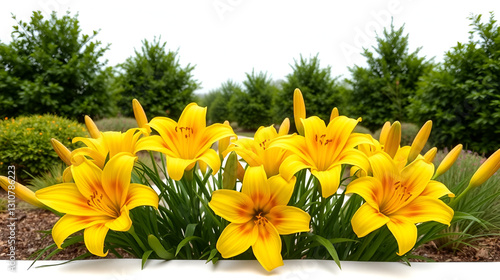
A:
(230, 172)
(448, 160)
(92, 128)
(430, 155)
(61, 150)
(393, 139)
(419, 141)
(486, 170)
(140, 116)
(383, 133)
(20, 191)
(334, 114)
(299, 110)
(284, 127)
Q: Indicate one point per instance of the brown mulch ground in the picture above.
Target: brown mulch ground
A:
(29, 239)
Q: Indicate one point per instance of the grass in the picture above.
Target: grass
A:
(482, 203)
(116, 124)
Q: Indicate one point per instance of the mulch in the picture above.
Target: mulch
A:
(29, 238)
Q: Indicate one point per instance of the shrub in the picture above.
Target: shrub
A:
(320, 90)
(50, 67)
(380, 92)
(116, 124)
(253, 107)
(156, 78)
(25, 142)
(462, 97)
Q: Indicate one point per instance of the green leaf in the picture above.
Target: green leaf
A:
(185, 241)
(155, 244)
(329, 247)
(145, 257)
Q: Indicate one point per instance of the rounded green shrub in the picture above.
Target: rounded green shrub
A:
(25, 143)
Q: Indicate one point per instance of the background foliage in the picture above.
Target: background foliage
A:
(320, 91)
(462, 96)
(50, 67)
(156, 78)
(25, 142)
(381, 91)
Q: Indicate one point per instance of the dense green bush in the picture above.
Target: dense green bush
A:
(156, 78)
(25, 142)
(319, 89)
(253, 107)
(116, 124)
(381, 91)
(50, 67)
(217, 102)
(462, 97)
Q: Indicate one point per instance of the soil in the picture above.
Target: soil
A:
(30, 222)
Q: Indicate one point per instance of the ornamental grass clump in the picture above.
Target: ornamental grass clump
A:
(326, 193)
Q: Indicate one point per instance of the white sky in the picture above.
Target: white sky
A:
(227, 38)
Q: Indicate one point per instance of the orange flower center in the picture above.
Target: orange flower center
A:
(400, 196)
(96, 200)
(321, 139)
(186, 131)
(259, 219)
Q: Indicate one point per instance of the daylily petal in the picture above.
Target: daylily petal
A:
(255, 185)
(177, 166)
(212, 159)
(236, 239)
(281, 190)
(122, 223)
(140, 195)
(233, 206)
(436, 189)
(367, 219)
(329, 180)
(66, 198)
(339, 131)
(69, 224)
(212, 134)
(288, 219)
(193, 116)
(267, 248)
(354, 157)
(384, 169)
(116, 178)
(405, 233)
(154, 143)
(292, 165)
(416, 175)
(87, 177)
(166, 128)
(94, 237)
(369, 189)
(424, 209)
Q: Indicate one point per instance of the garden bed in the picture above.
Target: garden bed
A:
(31, 221)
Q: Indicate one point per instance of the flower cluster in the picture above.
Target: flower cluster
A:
(325, 192)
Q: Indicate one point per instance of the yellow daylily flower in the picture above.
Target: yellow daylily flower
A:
(258, 215)
(187, 141)
(20, 191)
(257, 152)
(323, 149)
(98, 200)
(399, 199)
(109, 144)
